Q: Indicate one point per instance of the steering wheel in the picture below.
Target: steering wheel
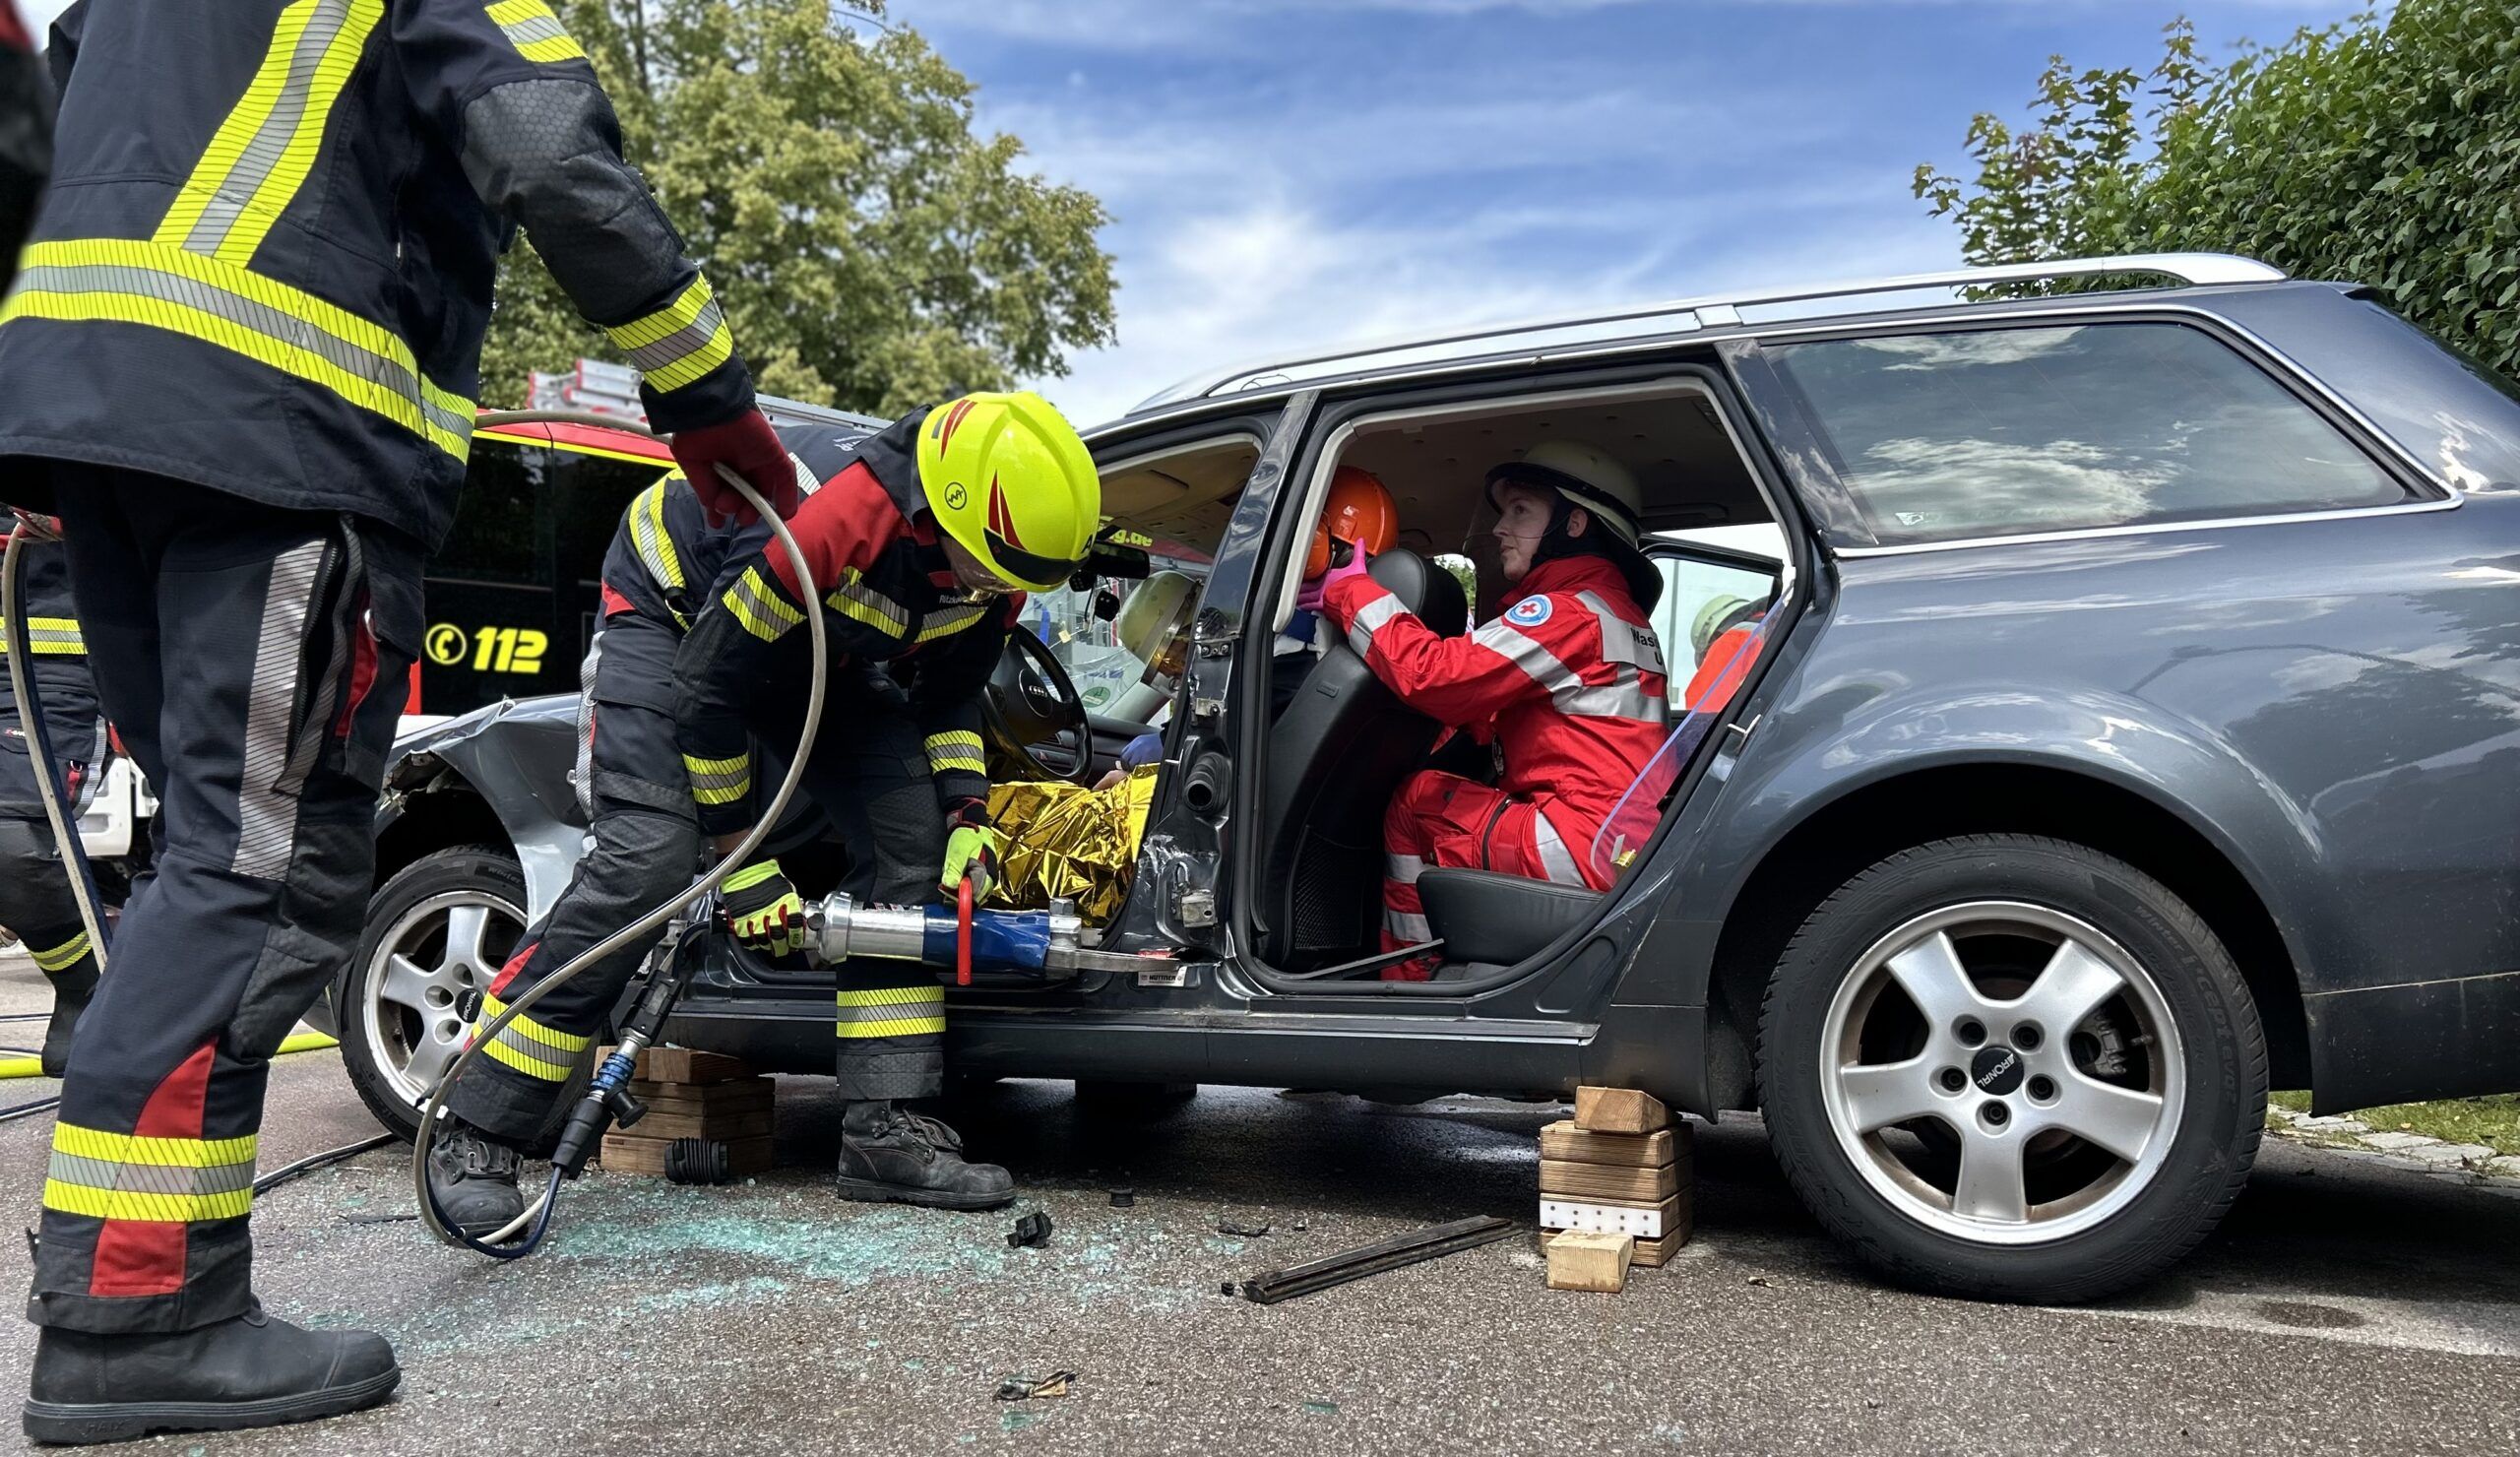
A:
(1032, 704)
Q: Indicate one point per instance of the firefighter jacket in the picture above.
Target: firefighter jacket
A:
(888, 596)
(267, 260)
(1567, 682)
(72, 719)
(665, 556)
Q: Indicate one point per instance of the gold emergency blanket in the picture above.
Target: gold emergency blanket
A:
(1066, 840)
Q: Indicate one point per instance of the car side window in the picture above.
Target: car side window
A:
(1702, 600)
(1995, 433)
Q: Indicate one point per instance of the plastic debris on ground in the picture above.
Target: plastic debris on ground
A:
(1021, 1387)
(1031, 1231)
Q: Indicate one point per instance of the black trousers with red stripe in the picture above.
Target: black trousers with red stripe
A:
(253, 659)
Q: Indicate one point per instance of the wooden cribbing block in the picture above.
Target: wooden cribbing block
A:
(1619, 1111)
(665, 1124)
(1583, 1261)
(1610, 1181)
(628, 1153)
(1657, 1228)
(684, 1066)
(1565, 1140)
(742, 1096)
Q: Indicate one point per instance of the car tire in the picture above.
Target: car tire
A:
(2094, 1156)
(385, 1018)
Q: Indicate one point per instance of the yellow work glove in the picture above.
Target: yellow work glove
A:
(764, 909)
(971, 845)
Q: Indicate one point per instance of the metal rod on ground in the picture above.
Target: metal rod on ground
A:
(1273, 1285)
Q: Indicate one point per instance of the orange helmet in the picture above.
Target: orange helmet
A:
(1359, 510)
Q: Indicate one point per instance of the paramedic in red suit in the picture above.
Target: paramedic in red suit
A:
(1567, 684)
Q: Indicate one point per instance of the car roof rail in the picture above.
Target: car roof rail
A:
(1723, 310)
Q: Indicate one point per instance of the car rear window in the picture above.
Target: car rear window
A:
(2005, 431)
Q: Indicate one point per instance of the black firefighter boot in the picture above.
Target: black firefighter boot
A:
(889, 1155)
(248, 1370)
(473, 1175)
(71, 991)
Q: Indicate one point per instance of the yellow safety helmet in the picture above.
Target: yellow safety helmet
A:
(1007, 478)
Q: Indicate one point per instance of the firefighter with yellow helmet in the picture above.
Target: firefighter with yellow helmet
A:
(923, 540)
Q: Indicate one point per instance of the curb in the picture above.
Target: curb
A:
(2465, 1162)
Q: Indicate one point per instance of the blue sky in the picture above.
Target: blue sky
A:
(1290, 173)
(1286, 172)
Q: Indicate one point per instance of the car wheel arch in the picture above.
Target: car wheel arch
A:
(1837, 837)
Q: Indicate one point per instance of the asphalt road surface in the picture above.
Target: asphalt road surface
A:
(2344, 1308)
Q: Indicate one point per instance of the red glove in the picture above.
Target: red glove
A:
(1309, 598)
(750, 447)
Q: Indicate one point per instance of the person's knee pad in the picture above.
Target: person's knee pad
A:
(640, 858)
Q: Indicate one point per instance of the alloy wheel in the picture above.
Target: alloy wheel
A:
(2002, 1073)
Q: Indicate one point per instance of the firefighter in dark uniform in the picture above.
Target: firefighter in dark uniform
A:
(36, 902)
(923, 547)
(238, 362)
(664, 558)
(920, 538)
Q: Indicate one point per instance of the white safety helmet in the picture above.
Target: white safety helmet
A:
(1155, 622)
(1585, 475)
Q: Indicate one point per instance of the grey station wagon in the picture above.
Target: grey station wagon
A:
(2134, 727)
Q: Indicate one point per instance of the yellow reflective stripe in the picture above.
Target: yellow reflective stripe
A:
(63, 957)
(534, 31)
(126, 280)
(949, 620)
(655, 543)
(895, 996)
(719, 780)
(171, 1153)
(856, 600)
(897, 1027)
(959, 749)
(139, 1204)
(762, 611)
(681, 342)
(59, 636)
(526, 1027)
(264, 150)
(500, 1052)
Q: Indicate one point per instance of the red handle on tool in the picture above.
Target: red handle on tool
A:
(962, 935)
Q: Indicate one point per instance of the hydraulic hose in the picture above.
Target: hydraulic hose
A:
(39, 759)
(537, 1220)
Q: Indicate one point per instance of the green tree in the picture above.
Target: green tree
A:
(2382, 152)
(872, 250)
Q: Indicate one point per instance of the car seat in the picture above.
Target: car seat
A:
(1336, 757)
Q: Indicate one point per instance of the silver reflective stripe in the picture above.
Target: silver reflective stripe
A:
(1554, 859)
(585, 723)
(683, 343)
(1622, 641)
(900, 1011)
(859, 602)
(1411, 930)
(737, 778)
(267, 817)
(654, 548)
(1369, 619)
(1405, 868)
(1624, 697)
(248, 314)
(136, 1178)
(539, 28)
(945, 621)
(1537, 664)
(271, 139)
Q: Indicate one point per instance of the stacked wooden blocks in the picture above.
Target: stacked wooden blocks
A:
(1615, 1180)
(694, 1095)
